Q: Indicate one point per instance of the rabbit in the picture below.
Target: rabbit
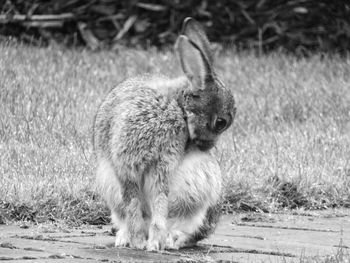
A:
(152, 139)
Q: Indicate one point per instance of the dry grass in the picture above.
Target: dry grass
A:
(340, 255)
(289, 146)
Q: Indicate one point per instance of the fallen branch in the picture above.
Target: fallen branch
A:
(5, 19)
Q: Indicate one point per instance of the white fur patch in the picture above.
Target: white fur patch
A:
(198, 179)
(191, 124)
(197, 182)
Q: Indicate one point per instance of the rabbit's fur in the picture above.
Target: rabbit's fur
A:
(152, 135)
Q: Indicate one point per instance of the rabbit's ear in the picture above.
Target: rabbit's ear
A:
(196, 33)
(193, 62)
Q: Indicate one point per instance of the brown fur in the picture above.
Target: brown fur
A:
(151, 136)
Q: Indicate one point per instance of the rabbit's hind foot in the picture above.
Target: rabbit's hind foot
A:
(176, 240)
(183, 230)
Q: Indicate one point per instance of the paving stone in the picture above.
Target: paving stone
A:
(130, 255)
(84, 250)
(98, 240)
(251, 257)
(238, 238)
(49, 260)
(308, 223)
(286, 237)
(8, 230)
(20, 253)
(49, 247)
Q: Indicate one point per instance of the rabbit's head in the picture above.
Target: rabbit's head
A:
(208, 105)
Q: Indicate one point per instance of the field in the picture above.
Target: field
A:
(289, 147)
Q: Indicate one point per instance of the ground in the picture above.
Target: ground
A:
(288, 148)
(251, 237)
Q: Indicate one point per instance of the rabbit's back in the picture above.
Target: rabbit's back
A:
(138, 126)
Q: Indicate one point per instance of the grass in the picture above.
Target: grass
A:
(288, 148)
(340, 255)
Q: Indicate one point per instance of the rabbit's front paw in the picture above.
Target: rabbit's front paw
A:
(157, 238)
(121, 238)
(139, 240)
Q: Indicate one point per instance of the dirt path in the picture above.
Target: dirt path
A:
(239, 238)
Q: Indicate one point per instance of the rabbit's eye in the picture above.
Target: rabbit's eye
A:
(220, 124)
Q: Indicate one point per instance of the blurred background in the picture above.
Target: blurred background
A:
(297, 26)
